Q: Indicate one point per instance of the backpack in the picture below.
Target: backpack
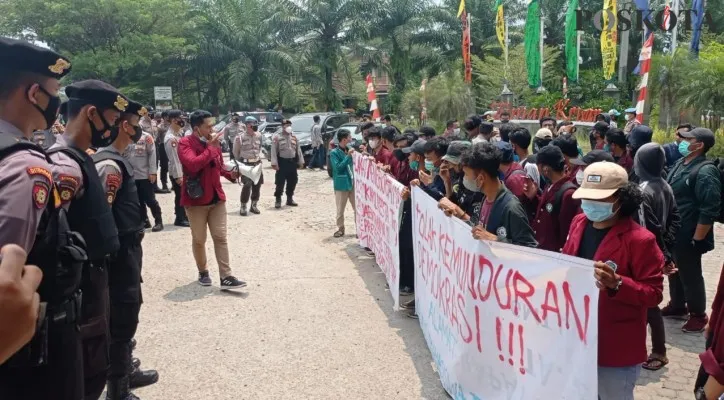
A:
(719, 164)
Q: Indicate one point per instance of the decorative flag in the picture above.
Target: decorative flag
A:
(571, 41)
(645, 62)
(647, 15)
(532, 43)
(372, 98)
(565, 87)
(461, 8)
(698, 7)
(667, 17)
(500, 26)
(466, 49)
(423, 102)
(609, 37)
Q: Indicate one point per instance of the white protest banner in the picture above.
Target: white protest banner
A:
(503, 321)
(378, 198)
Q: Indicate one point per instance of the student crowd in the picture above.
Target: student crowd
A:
(639, 210)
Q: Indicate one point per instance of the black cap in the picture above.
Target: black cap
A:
(472, 121)
(550, 155)
(455, 150)
(174, 114)
(486, 127)
(97, 93)
(135, 108)
(418, 147)
(18, 55)
(592, 157)
(601, 127)
(286, 122)
(544, 119)
(399, 137)
(702, 135)
(506, 150)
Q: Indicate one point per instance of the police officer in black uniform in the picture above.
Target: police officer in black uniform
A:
(124, 278)
(50, 365)
(92, 109)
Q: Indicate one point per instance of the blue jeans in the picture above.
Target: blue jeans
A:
(318, 157)
(617, 383)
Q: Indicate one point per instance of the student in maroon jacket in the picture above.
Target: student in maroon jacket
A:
(628, 266)
(711, 372)
(555, 207)
(204, 199)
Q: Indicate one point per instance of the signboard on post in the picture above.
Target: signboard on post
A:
(378, 197)
(503, 321)
(163, 96)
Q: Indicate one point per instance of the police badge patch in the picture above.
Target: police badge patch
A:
(501, 232)
(549, 207)
(40, 194)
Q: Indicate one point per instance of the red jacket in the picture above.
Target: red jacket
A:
(551, 230)
(197, 158)
(622, 317)
(713, 358)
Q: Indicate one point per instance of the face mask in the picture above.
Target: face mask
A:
(236, 121)
(627, 117)
(456, 131)
(429, 165)
(607, 148)
(516, 158)
(97, 139)
(349, 146)
(597, 211)
(256, 128)
(471, 185)
(138, 132)
(415, 165)
(374, 143)
(51, 112)
(399, 155)
(288, 129)
(181, 123)
(546, 179)
(684, 148)
(579, 177)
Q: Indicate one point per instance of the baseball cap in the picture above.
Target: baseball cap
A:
(601, 127)
(631, 110)
(702, 135)
(472, 121)
(506, 151)
(614, 112)
(418, 147)
(544, 133)
(455, 150)
(601, 180)
(249, 120)
(593, 156)
(284, 122)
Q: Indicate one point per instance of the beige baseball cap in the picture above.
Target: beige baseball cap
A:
(601, 180)
(544, 133)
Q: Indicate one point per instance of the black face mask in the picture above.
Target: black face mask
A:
(181, 123)
(399, 155)
(97, 139)
(51, 112)
(138, 132)
(254, 128)
(236, 121)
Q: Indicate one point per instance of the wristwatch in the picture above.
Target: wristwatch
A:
(618, 284)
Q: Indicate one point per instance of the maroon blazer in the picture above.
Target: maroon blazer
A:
(199, 159)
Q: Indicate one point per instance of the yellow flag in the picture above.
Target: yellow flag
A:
(461, 9)
(609, 37)
(500, 25)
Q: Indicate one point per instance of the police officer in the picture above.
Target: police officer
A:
(161, 129)
(286, 157)
(142, 156)
(170, 144)
(93, 108)
(247, 146)
(231, 130)
(147, 124)
(50, 365)
(124, 274)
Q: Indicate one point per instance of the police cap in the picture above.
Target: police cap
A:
(135, 108)
(97, 93)
(18, 55)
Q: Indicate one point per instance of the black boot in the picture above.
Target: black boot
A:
(133, 344)
(278, 202)
(140, 378)
(243, 211)
(158, 225)
(291, 202)
(135, 363)
(182, 222)
(254, 209)
(146, 224)
(117, 389)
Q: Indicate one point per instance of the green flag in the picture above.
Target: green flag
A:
(571, 42)
(532, 43)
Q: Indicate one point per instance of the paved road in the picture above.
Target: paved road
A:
(316, 321)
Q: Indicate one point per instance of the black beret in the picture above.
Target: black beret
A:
(135, 108)
(97, 93)
(174, 113)
(18, 55)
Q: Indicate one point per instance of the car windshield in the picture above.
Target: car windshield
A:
(353, 132)
(302, 123)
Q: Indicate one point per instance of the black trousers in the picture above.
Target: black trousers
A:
(94, 328)
(124, 284)
(61, 378)
(286, 174)
(686, 287)
(249, 189)
(658, 332)
(407, 257)
(177, 210)
(163, 163)
(147, 197)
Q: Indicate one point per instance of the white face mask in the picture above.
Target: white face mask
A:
(579, 177)
(373, 143)
(288, 129)
(627, 117)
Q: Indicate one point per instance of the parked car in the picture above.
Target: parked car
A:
(268, 129)
(302, 128)
(261, 116)
(354, 131)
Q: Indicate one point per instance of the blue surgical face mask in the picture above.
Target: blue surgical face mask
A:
(430, 166)
(415, 165)
(516, 158)
(597, 211)
(684, 148)
(607, 148)
(471, 185)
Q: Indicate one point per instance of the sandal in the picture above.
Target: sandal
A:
(655, 362)
(338, 234)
